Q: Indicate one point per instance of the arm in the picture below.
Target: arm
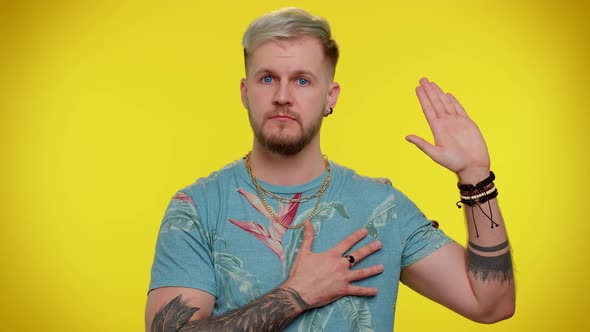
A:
(315, 279)
(185, 309)
(478, 282)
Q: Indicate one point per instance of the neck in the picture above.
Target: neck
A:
(282, 170)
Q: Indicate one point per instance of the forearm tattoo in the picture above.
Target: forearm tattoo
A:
(490, 268)
(271, 312)
(172, 316)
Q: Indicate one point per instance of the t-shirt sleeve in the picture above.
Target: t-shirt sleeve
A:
(419, 235)
(183, 255)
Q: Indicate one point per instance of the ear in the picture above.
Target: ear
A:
(333, 93)
(244, 92)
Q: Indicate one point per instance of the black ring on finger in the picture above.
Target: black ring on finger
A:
(350, 259)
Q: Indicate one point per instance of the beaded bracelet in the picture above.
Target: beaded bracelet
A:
(477, 194)
(471, 201)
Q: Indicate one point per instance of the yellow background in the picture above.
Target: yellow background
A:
(108, 107)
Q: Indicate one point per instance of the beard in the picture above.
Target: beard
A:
(280, 143)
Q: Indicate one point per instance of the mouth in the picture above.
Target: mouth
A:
(282, 117)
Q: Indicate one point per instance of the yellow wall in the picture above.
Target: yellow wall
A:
(107, 108)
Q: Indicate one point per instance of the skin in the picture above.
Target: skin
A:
(476, 282)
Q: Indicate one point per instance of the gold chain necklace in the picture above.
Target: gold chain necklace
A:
(261, 192)
(301, 199)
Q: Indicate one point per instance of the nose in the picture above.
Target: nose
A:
(283, 94)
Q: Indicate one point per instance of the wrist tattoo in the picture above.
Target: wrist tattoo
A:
(271, 312)
(495, 268)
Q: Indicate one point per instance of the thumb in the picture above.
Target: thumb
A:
(426, 147)
(307, 237)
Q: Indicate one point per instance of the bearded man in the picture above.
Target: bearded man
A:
(286, 239)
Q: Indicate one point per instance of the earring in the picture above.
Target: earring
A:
(329, 112)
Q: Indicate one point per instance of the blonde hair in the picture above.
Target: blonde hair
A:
(290, 23)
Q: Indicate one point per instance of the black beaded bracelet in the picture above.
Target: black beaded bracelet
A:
(480, 185)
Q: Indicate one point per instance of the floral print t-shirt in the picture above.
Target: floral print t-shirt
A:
(217, 236)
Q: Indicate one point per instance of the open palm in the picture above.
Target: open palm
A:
(458, 143)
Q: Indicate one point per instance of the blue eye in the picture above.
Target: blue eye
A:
(302, 81)
(267, 79)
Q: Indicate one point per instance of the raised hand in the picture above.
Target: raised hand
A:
(321, 278)
(458, 143)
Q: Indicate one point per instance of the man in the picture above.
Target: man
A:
(287, 239)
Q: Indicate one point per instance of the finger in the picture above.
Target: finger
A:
(426, 147)
(307, 241)
(361, 274)
(350, 241)
(458, 107)
(449, 106)
(427, 108)
(361, 291)
(432, 94)
(365, 251)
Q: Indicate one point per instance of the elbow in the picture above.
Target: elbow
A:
(501, 308)
(497, 314)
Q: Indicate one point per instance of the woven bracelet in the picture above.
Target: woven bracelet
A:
(479, 186)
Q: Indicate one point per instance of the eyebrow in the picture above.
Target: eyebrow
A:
(300, 72)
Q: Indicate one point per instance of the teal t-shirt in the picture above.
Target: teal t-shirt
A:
(217, 236)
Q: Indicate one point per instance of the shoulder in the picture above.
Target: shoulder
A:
(349, 177)
(214, 181)
(206, 191)
(367, 187)
(193, 204)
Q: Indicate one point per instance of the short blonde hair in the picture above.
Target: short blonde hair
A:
(290, 23)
